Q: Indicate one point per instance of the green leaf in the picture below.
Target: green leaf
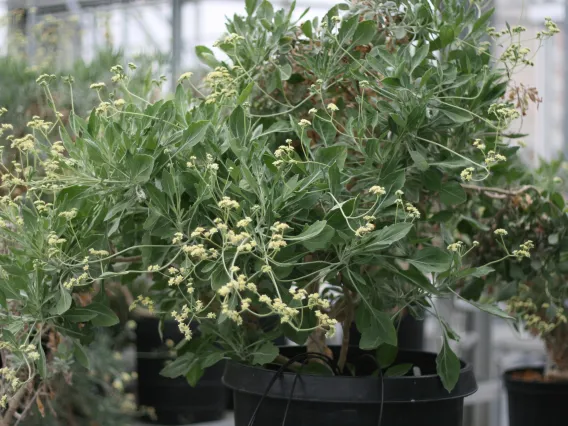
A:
(206, 56)
(419, 55)
(398, 370)
(456, 115)
(473, 290)
(479, 24)
(478, 272)
(446, 35)
(376, 328)
(219, 278)
(490, 309)
(347, 29)
(79, 314)
(448, 366)
(383, 238)
(393, 82)
(194, 374)
(400, 122)
(243, 97)
(285, 72)
(266, 11)
(212, 359)
(250, 6)
(365, 32)
(452, 194)
(474, 222)
(311, 232)
(399, 32)
(307, 29)
(168, 184)
(194, 134)
(81, 355)
(413, 276)
(419, 160)
(63, 302)
(265, 353)
(386, 355)
(331, 154)
(431, 259)
(321, 241)
(179, 367)
(140, 168)
(105, 315)
(238, 123)
(325, 130)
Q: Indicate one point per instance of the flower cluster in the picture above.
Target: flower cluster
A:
(142, 301)
(543, 319)
(221, 83)
(467, 174)
(228, 204)
(277, 239)
(551, 29)
(504, 112)
(76, 281)
(493, 158)
(183, 319)
(456, 247)
(377, 190)
(524, 250)
(25, 143)
(367, 228)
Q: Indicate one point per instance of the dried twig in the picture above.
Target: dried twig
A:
(14, 404)
(349, 311)
(506, 192)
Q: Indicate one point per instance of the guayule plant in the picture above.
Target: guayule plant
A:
(532, 208)
(311, 178)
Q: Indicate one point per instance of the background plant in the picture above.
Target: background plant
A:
(241, 198)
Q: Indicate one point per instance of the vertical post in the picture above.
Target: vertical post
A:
(565, 54)
(125, 25)
(482, 362)
(31, 22)
(176, 40)
(75, 10)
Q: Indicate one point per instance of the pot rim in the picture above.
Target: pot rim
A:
(532, 386)
(341, 389)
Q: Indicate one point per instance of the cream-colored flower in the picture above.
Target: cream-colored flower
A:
(185, 76)
(377, 190)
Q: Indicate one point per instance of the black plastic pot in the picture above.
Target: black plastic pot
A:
(174, 400)
(349, 401)
(267, 323)
(533, 403)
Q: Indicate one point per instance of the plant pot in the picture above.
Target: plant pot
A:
(174, 400)
(535, 402)
(349, 401)
(267, 323)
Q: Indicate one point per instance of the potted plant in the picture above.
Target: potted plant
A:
(310, 179)
(531, 213)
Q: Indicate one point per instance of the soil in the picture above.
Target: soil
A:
(537, 376)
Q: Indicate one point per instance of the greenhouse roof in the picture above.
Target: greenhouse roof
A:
(55, 6)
